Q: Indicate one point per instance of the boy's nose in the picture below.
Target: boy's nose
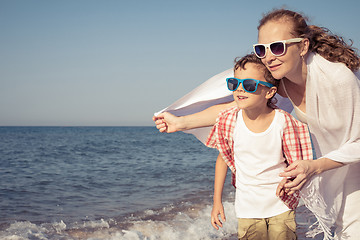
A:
(240, 88)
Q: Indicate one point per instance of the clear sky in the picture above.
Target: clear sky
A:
(115, 63)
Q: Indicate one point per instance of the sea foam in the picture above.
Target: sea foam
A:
(191, 224)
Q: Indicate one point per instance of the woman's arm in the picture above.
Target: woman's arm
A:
(167, 122)
(304, 170)
(337, 124)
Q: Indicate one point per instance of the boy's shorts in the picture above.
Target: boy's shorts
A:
(279, 227)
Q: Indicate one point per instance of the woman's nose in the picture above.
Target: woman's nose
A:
(269, 56)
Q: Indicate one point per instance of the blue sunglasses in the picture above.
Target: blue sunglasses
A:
(249, 85)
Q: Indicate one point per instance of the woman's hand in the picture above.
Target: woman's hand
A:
(299, 172)
(280, 190)
(167, 122)
(218, 209)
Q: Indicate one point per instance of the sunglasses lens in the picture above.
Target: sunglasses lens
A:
(232, 84)
(260, 50)
(277, 48)
(249, 85)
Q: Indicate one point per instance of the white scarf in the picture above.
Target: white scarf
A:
(333, 116)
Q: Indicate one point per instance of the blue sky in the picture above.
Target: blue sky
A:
(115, 63)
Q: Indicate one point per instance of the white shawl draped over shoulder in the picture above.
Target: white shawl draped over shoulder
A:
(211, 92)
(333, 116)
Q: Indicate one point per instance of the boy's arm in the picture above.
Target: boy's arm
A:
(220, 176)
(167, 122)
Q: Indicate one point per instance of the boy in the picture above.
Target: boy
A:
(257, 141)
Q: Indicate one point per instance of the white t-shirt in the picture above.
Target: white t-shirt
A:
(258, 161)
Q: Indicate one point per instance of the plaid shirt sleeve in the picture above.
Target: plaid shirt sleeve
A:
(296, 146)
(220, 137)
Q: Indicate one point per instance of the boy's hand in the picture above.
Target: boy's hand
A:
(167, 122)
(215, 221)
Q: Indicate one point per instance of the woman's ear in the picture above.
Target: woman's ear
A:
(305, 44)
(271, 92)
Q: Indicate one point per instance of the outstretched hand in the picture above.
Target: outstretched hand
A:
(167, 122)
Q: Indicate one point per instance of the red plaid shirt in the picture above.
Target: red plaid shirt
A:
(296, 143)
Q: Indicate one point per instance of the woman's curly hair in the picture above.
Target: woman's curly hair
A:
(322, 41)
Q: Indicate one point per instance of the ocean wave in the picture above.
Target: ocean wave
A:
(185, 221)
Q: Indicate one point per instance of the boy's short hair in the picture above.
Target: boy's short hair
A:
(252, 58)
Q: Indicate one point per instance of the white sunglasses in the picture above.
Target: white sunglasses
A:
(277, 48)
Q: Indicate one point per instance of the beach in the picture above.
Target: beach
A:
(111, 183)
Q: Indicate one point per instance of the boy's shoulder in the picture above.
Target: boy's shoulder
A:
(226, 113)
(285, 113)
(290, 119)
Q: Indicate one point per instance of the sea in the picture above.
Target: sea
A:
(131, 183)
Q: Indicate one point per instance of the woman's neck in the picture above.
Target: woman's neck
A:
(298, 77)
(295, 86)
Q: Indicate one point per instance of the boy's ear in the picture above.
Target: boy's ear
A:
(271, 92)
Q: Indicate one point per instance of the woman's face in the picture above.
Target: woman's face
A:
(290, 63)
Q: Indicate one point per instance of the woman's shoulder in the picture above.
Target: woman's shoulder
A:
(316, 61)
(333, 72)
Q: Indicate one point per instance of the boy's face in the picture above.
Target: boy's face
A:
(246, 100)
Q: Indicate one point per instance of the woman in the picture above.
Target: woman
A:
(320, 76)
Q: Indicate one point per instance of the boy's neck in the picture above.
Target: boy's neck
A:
(258, 121)
(257, 113)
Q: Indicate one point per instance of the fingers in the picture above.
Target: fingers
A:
(296, 176)
(293, 187)
(291, 167)
(280, 188)
(299, 179)
(291, 192)
(289, 186)
(215, 222)
(160, 124)
(158, 117)
(289, 173)
(222, 214)
(162, 127)
(291, 170)
(158, 120)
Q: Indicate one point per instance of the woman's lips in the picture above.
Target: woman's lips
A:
(274, 67)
